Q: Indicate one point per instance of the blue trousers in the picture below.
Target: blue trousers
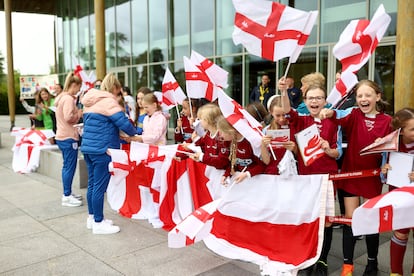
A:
(98, 180)
(69, 148)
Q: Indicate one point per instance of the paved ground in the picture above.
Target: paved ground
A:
(40, 237)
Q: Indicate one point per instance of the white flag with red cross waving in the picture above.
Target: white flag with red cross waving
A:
(216, 74)
(172, 94)
(386, 212)
(342, 87)
(359, 40)
(198, 83)
(241, 120)
(271, 30)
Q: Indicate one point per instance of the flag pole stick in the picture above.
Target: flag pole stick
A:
(178, 113)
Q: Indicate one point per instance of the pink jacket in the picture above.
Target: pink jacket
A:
(66, 116)
(155, 129)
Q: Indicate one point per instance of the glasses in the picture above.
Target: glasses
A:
(317, 98)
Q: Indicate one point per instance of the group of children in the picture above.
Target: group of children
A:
(223, 147)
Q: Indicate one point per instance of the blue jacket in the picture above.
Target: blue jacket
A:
(103, 118)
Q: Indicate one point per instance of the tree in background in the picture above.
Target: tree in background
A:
(4, 104)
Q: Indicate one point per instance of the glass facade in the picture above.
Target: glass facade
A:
(144, 37)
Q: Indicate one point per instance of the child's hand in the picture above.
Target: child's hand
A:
(282, 86)
(179, 123)
(326, 113)
(224, 180)
(387, 167)
(266, 140)
(290, 145)
(411, 176)
(241, 176)
(195, 156)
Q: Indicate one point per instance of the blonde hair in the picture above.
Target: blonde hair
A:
(225, 127)
(71, 78)
(110, 82)
(314, 79)
(150, 98)
(210, 112)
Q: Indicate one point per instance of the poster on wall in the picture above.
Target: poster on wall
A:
(30, 84)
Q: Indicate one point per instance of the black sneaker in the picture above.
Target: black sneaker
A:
(371, 269)
(321, 269)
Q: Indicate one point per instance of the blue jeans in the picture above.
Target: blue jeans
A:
(98, 180)
(69, 148)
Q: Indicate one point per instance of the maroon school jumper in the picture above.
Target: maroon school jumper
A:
(361, 132)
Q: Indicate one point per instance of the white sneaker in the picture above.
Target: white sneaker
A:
(77, 196)
(71, 201)
(91, 220)
(104, 227)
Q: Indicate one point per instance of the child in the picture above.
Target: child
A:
(45, 100)
(363, 125)
(214, 152)
(315, 100)
(242, 158)
(140, 108)
(403, 119)
(278, 121)
(185, 129)
(155, 123)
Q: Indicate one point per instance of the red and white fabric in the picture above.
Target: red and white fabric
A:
(141, 151)
(271, 30)
(172, 94)
(198, 83)
(342, 87)
(386, 212)
(215, 73)
(359, 40)
(241, 121)
(275, 222)
(27, 147)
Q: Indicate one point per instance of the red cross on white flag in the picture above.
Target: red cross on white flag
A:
(172, 94)
(359, 40)
(198, 84)
(215, 73)
(271, 30)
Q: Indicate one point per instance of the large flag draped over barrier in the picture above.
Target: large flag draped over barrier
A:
(252, 222)
(27, 147)
(386, 212)
(355, 46)
(271, 30)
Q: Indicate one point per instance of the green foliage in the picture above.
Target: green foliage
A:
(4, 101)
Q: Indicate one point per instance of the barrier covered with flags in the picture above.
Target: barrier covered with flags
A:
(252, 221)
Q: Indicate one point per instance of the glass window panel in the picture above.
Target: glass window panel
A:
(74, 38)
(139, 31)
(139, 76)
(335, 15)
(202, 26)
(323, 62)
(390, 7)
(123, 33)
(233, 65)
(256, 67)
(225, 26)
(83, 53)
(309, 5)
(158, 30)
(156, 75)
(180, 38)
(305, 64)
(384, 73)
(110, 34)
